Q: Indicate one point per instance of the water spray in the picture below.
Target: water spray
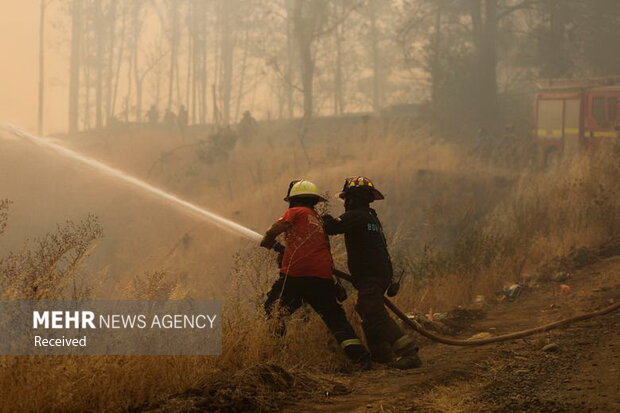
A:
(135, 182)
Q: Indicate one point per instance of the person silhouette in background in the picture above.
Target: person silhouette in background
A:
(153, 115)
(248, 127)
(182, 120)
(170, 119)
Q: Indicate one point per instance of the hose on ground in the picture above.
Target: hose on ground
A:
(480, 342)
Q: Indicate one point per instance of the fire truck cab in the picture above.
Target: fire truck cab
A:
(571, 115)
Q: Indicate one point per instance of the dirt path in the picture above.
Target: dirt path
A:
(582, 375)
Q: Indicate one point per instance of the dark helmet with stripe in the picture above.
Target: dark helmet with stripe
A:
(360, 184)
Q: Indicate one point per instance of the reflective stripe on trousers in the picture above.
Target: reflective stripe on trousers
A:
(351, 342)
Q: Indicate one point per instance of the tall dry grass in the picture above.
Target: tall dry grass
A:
(4, 214)
(545, 215)
(50, 270)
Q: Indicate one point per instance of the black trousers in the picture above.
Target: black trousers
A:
(380, 329)
(320, 294)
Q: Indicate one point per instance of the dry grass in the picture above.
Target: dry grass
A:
(51, 267)
(4, 214)
(545, 215)
(458, 226)
(460, 398)
(113, 383)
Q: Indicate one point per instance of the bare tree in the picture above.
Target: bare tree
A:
(199, 82)
(111, 22)
(376, 57)
(339, 103)
(308, 20)
(40, 115)
(175, 34)
(290, 54)
(74, 73)
(115, 71)
(100, 38)
(227, 47)
(311, 21)
(484, 18)
(138, 75)
(242, 75)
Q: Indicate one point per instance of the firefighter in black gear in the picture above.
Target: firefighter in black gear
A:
(370, 265)
(306, 269)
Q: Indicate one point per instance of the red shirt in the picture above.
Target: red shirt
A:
(307, 252)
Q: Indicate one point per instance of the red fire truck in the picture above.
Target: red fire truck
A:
(574, 114)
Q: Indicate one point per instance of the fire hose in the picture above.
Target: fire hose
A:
(480, 342)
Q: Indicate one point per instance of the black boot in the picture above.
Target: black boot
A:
(406, 363)
(407, 353)
(381, 352)
(359, 355)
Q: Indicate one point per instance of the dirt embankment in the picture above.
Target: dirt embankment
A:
(580, 372)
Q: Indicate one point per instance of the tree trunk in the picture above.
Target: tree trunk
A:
(435, 62)
(307, 77)
(199, 62)
(119, 62)
(227, 53)
(485, 23)
(290, 52)
(130, 71)
(242, 74)
(110, 65)
(338, 78)
(555, 59)
(304, 34)
(204, 83)
(137, 26)
(174, 46)
(41, 67)
(376, 59)
(216, 113)
(99, 33)
(74, 71)
(190, 57)
(139, 100)
(87, 85)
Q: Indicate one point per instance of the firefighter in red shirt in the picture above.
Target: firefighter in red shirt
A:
(306, 268)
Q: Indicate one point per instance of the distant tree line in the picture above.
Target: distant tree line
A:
(299, 58)
(475, 51)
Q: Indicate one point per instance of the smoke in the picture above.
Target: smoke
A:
(136, 183)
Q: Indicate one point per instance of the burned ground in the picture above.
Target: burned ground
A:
(581, 374)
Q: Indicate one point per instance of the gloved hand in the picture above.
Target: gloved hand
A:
(393, 288)
(328, 218)
(267, 243)
(341, 292)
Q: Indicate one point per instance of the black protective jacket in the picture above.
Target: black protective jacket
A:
(365, 242)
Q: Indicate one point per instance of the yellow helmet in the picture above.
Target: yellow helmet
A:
(301, 187)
